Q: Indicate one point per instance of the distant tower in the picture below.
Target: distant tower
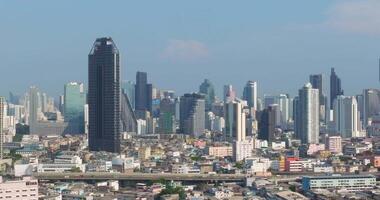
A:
(2, 104)
(104, 96)
(34, 109)
(316, 81)
(267, 123)
(192, 114)
(307, 115)
(207, 88)
(346, 116)
(250, 94)
(235, 121)
(335, 87)
(143, 95)
(229, 94)
(75, 100)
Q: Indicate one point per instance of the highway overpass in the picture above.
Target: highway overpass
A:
(140, 177)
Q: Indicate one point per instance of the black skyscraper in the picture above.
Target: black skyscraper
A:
(335, 87)
(316, 81)
(143, 94)
(267, 123)
(104, 96)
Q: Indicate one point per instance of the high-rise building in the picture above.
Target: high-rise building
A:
(74, 107)
(167, 116)
(207, 88)
(229, 94)
(127, 116)
(316, 81)
(267, 123)
(128, 88)
(192, 114)
(335, 87)
(2, 105)
(250, 94)
(143, 95)
(371, 105)
(235, 120)
(104, 96)
(34, 109)
(283, 110)
(307, 115)
(346, 116)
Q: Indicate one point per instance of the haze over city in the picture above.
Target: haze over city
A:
(276, 43)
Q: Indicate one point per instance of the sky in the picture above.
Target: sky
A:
(180, 43)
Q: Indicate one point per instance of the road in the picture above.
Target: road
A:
(139, 176)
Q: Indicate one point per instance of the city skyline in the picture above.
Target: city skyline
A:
(196, 47)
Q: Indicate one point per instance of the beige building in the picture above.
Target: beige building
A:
(220, 151)
(25, 189)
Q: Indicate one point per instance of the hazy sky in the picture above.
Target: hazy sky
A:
(179, 43)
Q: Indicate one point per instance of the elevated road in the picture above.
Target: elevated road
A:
(140, 176)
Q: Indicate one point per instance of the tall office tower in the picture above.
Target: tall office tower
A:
(61, 106)
(192, 114)
(346, 116)
(14, 99)
(104, 96)
(34, 109)
(316, 81)
(335, 87)
(86, 119)
(359, 99)
(2, 105)
(207, 88)
(167, 116)
(267, 123)
(371, 105)
(283, 110)
(229, 93)
(307, 119)
(44, 99)
(127, 116)
(143, 95)
(235, 120)
(75, 99)
(270, 100)
(250, 94)
(128, 88)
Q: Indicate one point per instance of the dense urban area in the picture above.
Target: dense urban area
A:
(116, 139)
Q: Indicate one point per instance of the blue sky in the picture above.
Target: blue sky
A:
(179, 43)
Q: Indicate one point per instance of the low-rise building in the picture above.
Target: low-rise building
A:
(25, 189)
(347, 182)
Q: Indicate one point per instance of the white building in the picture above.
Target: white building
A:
(349, 182)
(53, 167)
(25, 189)
(235, 120)
(307, 115)
(242, 149)
(346, 116)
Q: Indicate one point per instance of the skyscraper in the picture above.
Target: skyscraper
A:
(235, 120)
(128, 88)
(34, 109)
(2, 104)
(250, 94)
(207, 88)
(267, 123)
(229, 94)
(143, 95)
(307, 115)
(104, 96)
(335, 87)
(316, 81)
(74, 98)
(371, 105)
(192, 114)
(346, 116)
(167, 116)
